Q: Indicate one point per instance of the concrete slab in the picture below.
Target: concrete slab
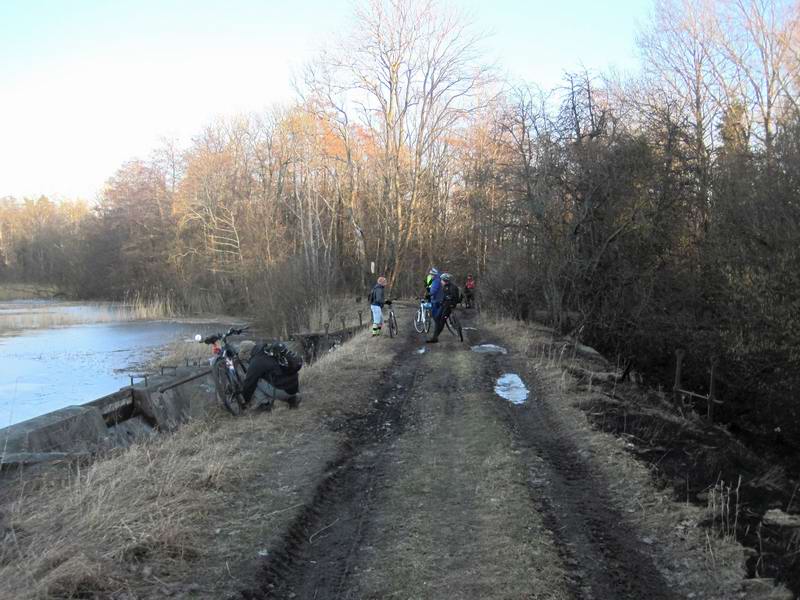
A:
(74, 428)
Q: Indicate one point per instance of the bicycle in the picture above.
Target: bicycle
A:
(226, 369)
(422, 318)
(454, 325)
(391, 320)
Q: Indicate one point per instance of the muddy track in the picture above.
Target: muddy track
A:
(603, 557)
(333, 539)
(318, 551)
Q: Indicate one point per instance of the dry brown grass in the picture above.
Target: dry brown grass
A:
(47, 316)
(333, 310)
(74, 531)
(180, 508)
(180, 352)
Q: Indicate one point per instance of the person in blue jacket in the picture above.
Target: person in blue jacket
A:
(444, 297)
(436, 291)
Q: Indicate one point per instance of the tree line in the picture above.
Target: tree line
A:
(660, 209)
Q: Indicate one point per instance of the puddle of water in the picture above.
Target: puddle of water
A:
(421, 351)
(489, 349)
(511, 387)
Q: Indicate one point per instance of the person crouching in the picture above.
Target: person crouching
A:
(272, 373)
(377, 300)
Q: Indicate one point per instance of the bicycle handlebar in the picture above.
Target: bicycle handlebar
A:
(221, 336)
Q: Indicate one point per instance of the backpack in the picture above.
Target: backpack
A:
(290, 362)
(452, 294)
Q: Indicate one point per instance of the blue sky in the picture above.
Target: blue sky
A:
(88, 84)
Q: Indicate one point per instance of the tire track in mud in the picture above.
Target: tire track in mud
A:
(316, 557)
(603, 557)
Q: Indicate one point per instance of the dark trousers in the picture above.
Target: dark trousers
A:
(443, 314)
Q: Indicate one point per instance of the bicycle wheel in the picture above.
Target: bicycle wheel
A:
(227, 391)
(454, 326)
(428, 320)
(392, 324)
(419, 320)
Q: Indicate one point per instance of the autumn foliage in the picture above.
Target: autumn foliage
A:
(641, 215)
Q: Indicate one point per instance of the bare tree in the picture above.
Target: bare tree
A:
(409, 74)
(680, 51)
(757, 37)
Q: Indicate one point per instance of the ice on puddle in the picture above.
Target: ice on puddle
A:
(511, 387)
(489, 349)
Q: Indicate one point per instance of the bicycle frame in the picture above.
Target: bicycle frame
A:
(423, 317)
(230, 393)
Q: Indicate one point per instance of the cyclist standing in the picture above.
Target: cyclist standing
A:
(432, 274)
(469, 291)
(444, 297)
(377, 300)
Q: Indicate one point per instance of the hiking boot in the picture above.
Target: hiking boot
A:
(294, 401)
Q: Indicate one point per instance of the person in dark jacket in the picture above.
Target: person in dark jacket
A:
(444, 297)
(273, 372)
(376, 300)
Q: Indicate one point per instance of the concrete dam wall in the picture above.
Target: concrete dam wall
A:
(161, 403)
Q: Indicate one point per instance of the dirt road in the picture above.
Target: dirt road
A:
(402, 475)
(446, 490)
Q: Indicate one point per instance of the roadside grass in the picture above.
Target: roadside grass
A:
(333, 310)
(73, 531)
(673, 529)
(189, 507)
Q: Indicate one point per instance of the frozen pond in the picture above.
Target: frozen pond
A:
(512, 388)
(52, 367)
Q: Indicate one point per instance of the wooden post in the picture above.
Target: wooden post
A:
(710, 412)
(679, 354)
(327, 335)
(344, 323)
(360, 318)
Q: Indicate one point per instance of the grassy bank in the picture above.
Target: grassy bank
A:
(26, 291)
(48, 315)
(180, 508)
